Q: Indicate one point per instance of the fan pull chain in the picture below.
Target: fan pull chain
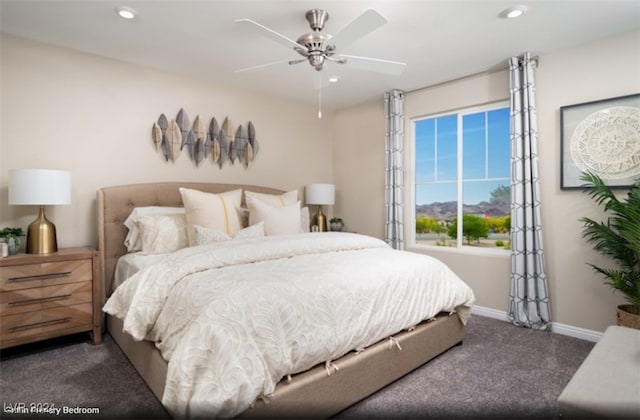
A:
(319, 96)
(320, 103)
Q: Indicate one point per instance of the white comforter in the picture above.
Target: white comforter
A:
(234, 318)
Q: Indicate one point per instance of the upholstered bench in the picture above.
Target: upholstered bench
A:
(607, 384)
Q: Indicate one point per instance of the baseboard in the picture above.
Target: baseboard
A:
(564, 329)
(576, 332)
(489, 313)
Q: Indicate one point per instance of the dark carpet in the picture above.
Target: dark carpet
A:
(499, 371)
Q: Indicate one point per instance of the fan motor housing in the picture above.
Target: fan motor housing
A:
(313, 41)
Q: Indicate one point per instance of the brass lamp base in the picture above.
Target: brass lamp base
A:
(321, 220)
(41, 235)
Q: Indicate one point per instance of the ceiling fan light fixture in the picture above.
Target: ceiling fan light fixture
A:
(513, 12)
(317, 61)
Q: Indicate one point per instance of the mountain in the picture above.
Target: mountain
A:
(448, 210)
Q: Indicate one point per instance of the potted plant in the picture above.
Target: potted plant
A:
(12, 237)
(336, 224)
(619, 239)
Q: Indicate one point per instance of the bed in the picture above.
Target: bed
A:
(321, 390)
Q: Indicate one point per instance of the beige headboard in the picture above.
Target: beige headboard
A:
(115, 204)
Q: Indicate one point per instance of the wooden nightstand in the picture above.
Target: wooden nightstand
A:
(49, 295)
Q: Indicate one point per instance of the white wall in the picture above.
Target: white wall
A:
(358, 160)
(604, 69)
(62, 109)
(600, 70)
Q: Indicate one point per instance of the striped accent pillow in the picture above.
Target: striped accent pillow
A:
(214, 211)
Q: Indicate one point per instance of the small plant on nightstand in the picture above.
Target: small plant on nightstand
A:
(12, 237)
(336, 224)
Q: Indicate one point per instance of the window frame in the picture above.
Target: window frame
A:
(410, 180)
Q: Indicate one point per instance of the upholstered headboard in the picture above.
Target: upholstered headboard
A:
(116, 203)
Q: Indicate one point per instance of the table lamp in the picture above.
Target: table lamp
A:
(40, 187)
(320, 194)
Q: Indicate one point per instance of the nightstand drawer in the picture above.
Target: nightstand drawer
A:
(40, 298)
(48, 320)
(27, 276)
(45, 296)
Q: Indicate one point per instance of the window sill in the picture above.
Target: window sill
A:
(469, 250)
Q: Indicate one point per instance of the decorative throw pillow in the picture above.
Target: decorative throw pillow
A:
(289, 197)
(276, 200)
(214, 211)
(206, 236)
(133, 241)
(161, 233)
(253, 231)
(278, 220)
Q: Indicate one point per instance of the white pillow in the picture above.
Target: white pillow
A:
(206, 236)
(289, 197)
(276, 200)
(304, 219)
(278, 220)
(161, 233)
(132, 241)
(215, 211)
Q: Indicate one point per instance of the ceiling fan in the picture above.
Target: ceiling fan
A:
(317, 48)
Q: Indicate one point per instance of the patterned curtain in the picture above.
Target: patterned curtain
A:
(529, 299)
(394, 128)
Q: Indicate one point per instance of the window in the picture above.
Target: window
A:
(462, 172)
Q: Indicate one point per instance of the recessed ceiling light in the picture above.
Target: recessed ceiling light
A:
(334, 79)
(513, 12)
(126, 12)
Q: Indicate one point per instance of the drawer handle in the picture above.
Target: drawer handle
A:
(39, 324)
(41, 276)
(45, 299)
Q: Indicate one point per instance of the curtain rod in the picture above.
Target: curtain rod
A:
(494, 69)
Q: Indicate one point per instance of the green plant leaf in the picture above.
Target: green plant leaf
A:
(618, 237)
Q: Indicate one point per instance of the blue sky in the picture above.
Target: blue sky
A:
(486, 156)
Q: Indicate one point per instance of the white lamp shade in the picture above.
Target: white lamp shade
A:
(321, 194)
(39, 187)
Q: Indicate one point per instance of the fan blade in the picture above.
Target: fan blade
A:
(367, 22)
(298, 61)
(261, 66)
(374, 64)
(271, 34)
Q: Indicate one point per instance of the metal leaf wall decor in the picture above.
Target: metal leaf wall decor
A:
(174, 140)
(217, 144)
(199, 134)
(229, 133)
